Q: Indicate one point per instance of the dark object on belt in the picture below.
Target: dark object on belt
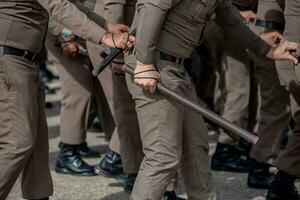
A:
(268, 24)
(19, 52)
(114, 53)
(167, 57)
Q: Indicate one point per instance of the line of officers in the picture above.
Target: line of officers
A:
(151, 137)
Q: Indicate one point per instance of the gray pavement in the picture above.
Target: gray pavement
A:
(229, 186)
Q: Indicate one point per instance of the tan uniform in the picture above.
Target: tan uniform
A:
(289, 74)
(23, 133)
(81, 92)
(274, 112)
(173, 136)
(115, 88)
(235, 81)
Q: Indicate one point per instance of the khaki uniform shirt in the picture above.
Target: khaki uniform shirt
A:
(119, 11)
(24, 23)
(176, 27)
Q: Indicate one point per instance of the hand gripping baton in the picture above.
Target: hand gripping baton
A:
(109, 58)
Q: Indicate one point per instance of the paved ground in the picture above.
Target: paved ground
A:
(229, 186)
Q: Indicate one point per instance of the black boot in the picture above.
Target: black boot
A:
(48, 90)
(283, 188)
(228, 158)
(127, 181)
(259, 176)
(110, 165)
(244, 147)
(46, 75)
(171, 196)
(96, 126)
(70, 162)
(85, 152)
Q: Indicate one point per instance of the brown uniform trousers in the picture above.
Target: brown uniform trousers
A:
(289, 74)
(23, 132)
(174, 138)
(23, 135)
(274, 112)
(235, 87)
(81, 94)
(116, 91)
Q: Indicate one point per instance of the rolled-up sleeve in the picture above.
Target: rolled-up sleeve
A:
(152, 14)
(230, 20)
(66, 13)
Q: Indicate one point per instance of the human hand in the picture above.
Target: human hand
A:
(248, 15)
(72, 48)
(283, 51)
(146, 76)
(116, 28)
(118, 40)
(272, 38)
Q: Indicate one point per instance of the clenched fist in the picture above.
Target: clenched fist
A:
(118, 40)
(146, 76)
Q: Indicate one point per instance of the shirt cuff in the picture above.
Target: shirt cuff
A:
(96, 34)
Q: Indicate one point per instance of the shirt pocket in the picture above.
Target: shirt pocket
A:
(197, 10)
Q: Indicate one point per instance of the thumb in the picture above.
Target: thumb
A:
(81, 48)
(292, 58)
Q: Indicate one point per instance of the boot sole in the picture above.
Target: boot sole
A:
(66, 171)
(102, 172)
(257, 186)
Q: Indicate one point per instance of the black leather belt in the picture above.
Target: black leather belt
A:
(241, 7)
(19, 52)
(167, 57)
(269, 24)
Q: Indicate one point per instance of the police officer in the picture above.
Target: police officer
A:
(174, 137)
(274, 110)
(81, 94)
(236, 85)
(122, 103)
(23, 135)
(288, 162)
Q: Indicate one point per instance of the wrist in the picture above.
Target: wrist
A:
(104, 38)
(270, 54)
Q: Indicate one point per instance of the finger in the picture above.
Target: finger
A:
(124, 28)
(279, 36)
(81, 48)
(153, 89)
(292, 58)
(131, 38)
(291, 46)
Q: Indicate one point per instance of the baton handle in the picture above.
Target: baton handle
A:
(206, 113)
(109, 58)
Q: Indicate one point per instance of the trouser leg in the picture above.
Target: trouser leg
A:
(37, 167)
(235, 83)
(77, 94)
(289, 160)
(19, 115)
(161, 126)
(274, 113)
(195, 165)
(127, 125)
